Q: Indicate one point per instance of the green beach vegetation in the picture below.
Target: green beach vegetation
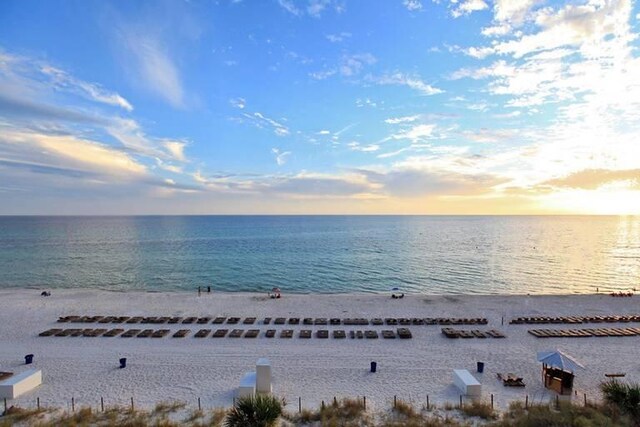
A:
(620, 408)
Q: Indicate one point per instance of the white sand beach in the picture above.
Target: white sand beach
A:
(313, 369)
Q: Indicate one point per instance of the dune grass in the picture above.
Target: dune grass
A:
(340, 413)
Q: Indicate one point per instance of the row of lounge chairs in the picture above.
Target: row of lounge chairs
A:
(403, 333)
(459, 333)
(404, 321)
(584, 333)
(574, 319)
(72, 332)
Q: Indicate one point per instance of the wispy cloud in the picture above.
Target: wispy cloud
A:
(349, 65)
(466, 7)
(411, 81)
(591, 179)
(63, 81)
(404, 119)
(313, 8)
(261, 121)
(74, 136)
(238, 103)
(154, 67)
(338, 37)
(412, 5)
(281, 156)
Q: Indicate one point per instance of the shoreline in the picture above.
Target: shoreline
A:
(285, 292)
(312, 369)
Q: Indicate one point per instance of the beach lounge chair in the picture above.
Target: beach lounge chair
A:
(377, 321)
(233, 320)
(145, 334)
(322, 333)
(149, 319)
(266, 321)
(131, 333)
(160, 333)
(339, 334)
(404, 333)
(219, 320)
(270, 333)
(430, 321)
(49, 332)
(202, 333)
(113, 332)
(286, 333)
(249, 321)
(305, 333)
(236, 333)
(352, 334)
(189, 320)
(294, 320)
(80, 332)
(252, 333)
(359, 334)
(108, 319)
(496, 334)
(203, 320)
(478, 334)
(175, 320)
(450, 333)
(307, 321)
(404, 321)
(370, 334)
(335, 321)
(280, 321)
(320, 321)
(220, 333)
(388, 334)
(417, 321)
(391, 321)
(163, 320)
(136, 319)
(181, 333)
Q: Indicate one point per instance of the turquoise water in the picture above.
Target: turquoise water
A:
(323, 254)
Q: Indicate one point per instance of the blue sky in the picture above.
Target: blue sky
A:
(319, 106)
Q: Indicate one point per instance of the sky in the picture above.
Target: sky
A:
(319, 107)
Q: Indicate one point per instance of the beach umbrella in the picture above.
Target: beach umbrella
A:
(559, 359)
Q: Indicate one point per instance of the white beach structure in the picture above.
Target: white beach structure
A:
(467, 383)
(258, 381)
(263, 376)
(21, 383)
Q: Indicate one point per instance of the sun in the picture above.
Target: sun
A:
(616, 199)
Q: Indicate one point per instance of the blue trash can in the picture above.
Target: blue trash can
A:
(28, 359)
(480, 367)
(123, 362)
(374, 366)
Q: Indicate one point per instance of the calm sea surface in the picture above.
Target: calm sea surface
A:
(323, 254)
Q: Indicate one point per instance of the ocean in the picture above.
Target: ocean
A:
(324, 254)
